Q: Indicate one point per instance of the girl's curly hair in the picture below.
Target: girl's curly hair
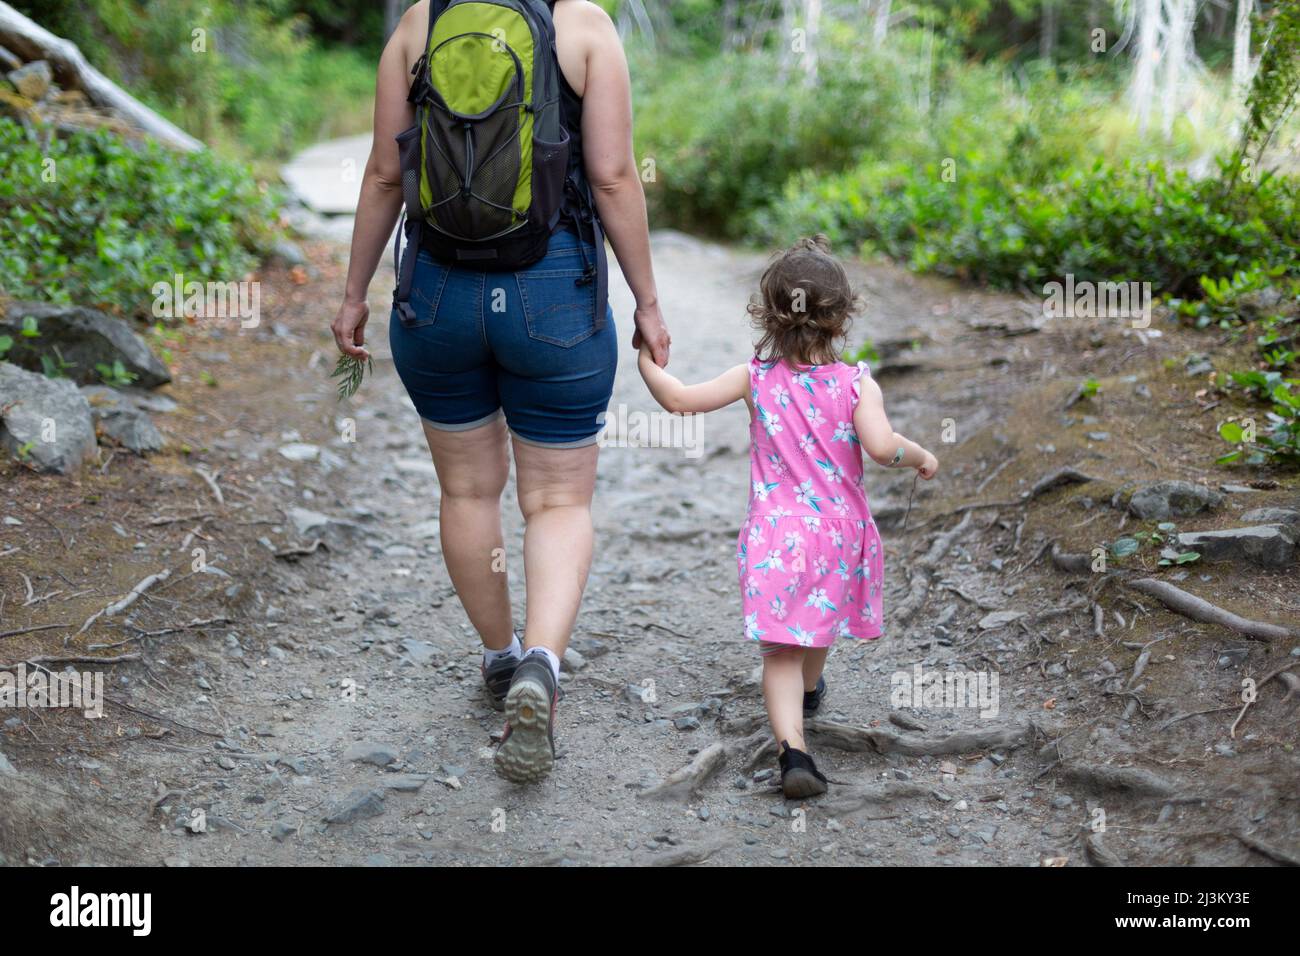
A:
(804, 305)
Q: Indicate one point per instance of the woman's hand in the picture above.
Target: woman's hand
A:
(652, 332)
(349, 328)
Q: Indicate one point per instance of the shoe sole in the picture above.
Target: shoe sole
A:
(800, 783)
(525, 756)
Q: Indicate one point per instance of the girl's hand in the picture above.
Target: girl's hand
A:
(349, 328)
(652, 332)
(929, 467)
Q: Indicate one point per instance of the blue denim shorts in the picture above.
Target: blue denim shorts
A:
(520, 343)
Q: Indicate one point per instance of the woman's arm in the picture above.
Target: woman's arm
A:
(381, 186)
(611, 168)
(731, 386)
(878, 437)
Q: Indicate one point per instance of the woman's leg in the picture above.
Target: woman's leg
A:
(472, 470)
(555, 486)
(783, 688)
(814, 662)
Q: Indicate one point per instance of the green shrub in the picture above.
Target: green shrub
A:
(119, 217)
(1106, 222)
(242, 76)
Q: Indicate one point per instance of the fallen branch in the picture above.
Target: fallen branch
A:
(1198, 609)
(210, 480)
(28, 630)
(42, 661)
(117, 607)
(34, 42)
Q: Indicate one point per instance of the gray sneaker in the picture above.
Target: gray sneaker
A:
(527, 750)
(497, 677)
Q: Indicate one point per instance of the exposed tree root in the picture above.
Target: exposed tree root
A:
(885, 741)
(923, 572)
(687, 855)
(1266, 849)
(680, 784)
(1198, 609)
(854, 799)
(1096, 851)
(1062, 476)
(1130, 780)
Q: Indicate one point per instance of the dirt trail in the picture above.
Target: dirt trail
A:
(363, 645)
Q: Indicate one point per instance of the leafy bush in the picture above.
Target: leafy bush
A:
(725, 135)
(1106, 222)
(242, 76)
(119, 217)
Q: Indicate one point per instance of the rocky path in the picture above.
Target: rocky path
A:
(338, 717)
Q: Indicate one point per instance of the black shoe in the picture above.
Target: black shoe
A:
(812, 699)
(497, 677)
(527, 750)
(799, 775)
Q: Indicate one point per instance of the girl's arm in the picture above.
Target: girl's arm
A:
(878, 438)
(731, 386)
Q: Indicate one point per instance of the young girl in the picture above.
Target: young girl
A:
(811, 562)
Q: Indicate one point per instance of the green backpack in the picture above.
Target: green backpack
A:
(486, 171)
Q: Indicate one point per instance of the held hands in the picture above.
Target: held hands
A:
(651, 333)
(349, 328)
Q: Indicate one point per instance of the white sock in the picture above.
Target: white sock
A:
(550, 659)
(490, 656)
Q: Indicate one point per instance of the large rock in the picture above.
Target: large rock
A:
(1268, 546)
(121, 418)
(1283, 517)
(33, 80)
(1172, 499)
(84, 337)
(47, 420)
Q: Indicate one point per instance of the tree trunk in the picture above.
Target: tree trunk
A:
(1176, 58)
(1144, 71)
(393, 10)
(33, 42)
(1241, 65)
(812, 18)
(881, 26)
(1047, 30)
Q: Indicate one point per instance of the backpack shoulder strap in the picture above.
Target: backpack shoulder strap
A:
(419, 88)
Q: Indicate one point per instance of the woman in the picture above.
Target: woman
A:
(480, 356)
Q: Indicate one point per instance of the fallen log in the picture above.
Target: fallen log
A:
(34, 42)
(1198, 609)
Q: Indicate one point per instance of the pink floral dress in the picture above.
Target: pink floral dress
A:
(810, 557)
